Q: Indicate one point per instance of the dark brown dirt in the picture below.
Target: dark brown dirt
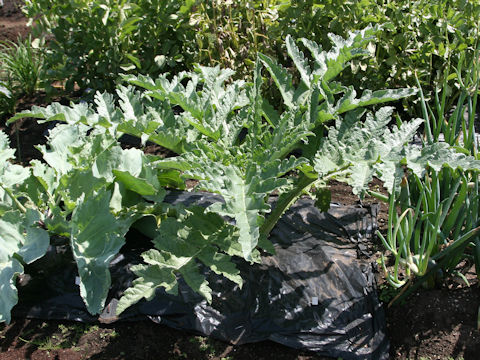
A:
(436, 324)
(35, 339)
(431, 324)
(12, 23)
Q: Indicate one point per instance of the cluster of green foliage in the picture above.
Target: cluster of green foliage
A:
(21, 72)
(437, 223)
(228, 136)
(418, 37)
(230, 33)
(92, 42)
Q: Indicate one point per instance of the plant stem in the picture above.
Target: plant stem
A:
(17, 203)
(19, 147)
(378, 195)
(284, 202)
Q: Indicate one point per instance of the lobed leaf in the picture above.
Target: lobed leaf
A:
(244, 189)
(299, 60)
(282, 79)
(6, 153)
(329, 64)
(149, 278)
(194, 236)
(361, 149)
(348, 101)
(73, 114)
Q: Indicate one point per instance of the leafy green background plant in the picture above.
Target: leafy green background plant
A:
(418, 38)
(92, 42)
(230, 33)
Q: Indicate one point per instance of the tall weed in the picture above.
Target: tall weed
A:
(21, 72)
(21, 65)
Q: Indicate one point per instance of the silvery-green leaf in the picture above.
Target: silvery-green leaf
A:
(149, 278)
(363, 149)
(282, 78)
(73, 114)
(9, 270)
(96, 237)
(10, 234)
(13, 175)
(36, 241)
(6, 153)
(244, 191)
(299, 59)
(14, 243)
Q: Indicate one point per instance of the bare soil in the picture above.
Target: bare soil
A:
(12, 23)
(431, 324)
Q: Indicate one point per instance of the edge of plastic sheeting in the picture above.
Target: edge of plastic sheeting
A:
(314, 294)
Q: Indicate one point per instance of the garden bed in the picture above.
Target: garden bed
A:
(435, 324)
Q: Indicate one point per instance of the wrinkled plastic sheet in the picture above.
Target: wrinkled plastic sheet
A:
(315, 293)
